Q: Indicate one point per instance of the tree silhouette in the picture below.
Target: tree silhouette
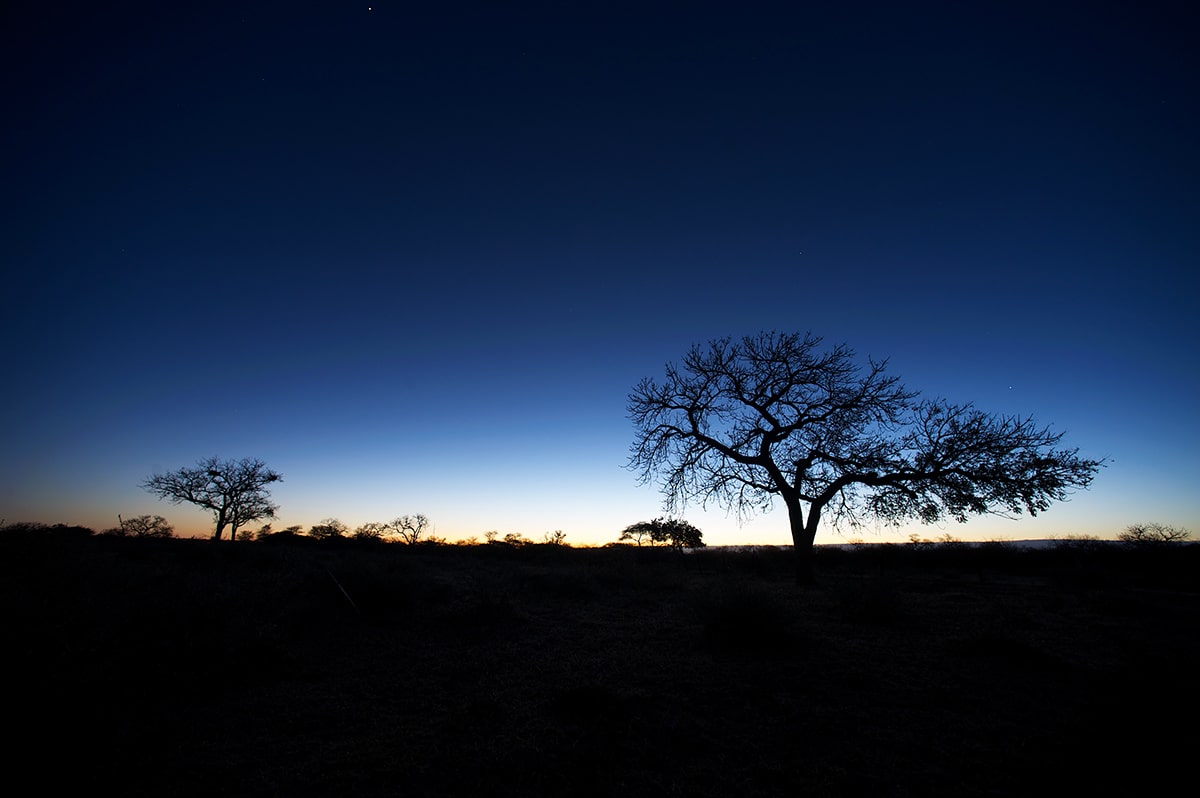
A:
(674, 532)
(1151, 533)
(408, 528)
(740, 422)
(328, 528)
(369, 531)
(143, 526)
(235, 491)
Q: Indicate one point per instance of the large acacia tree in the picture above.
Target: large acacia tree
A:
(741, 422)
(235, 491)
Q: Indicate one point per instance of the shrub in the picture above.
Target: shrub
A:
(328, 529)
(1152, 533)
(143, 526)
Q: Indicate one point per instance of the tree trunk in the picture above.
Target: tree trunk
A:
(802, 540)
(220, 526)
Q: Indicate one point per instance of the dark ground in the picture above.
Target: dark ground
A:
(178, 667)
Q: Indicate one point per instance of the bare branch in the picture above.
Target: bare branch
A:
(408, 528)
(235, 491)
(739, 423)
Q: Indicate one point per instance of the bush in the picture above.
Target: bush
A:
(143, 526)
(1152, 534)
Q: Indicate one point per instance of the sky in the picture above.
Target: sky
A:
(416, 255)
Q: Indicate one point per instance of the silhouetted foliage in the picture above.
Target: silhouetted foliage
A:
(674, 532)
(515, 540)
(775, 415)
(370, 531)
(39, 529)
(261, 533)
(287, 535)
(143, 526)
(328, 529)
(235, 491)
(1152, 533)
(409, 528)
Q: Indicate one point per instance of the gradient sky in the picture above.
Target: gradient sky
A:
(415, 255)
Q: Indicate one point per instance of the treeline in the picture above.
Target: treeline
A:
(1081, 562)
(407, 529)
(412, 530)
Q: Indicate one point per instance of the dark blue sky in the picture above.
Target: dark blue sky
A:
(416, 257)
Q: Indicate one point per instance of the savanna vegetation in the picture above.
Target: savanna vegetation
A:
(296, 666)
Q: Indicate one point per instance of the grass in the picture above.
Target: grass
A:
(175, 667)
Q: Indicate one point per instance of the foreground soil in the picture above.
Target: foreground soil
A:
(171, 667)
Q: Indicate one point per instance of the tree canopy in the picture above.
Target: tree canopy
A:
(143, 526)
(409, 528)
(1152, 533)
(328, 528)
(674, 532)
(235, 491)
(740, 422)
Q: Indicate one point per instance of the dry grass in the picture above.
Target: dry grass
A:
(186, 668)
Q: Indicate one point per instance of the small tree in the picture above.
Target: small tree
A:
(261, 533)
(370, 531)
(266, 534)
(674, 532)
(680, 534)
(328, 528)
(408, 528)
(742, 422)
(235, 491)
(143, 526)
(1152, 533)
(638, 534)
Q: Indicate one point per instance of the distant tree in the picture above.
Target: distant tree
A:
(741, 422)
(370, 531)
(32, 528)
(674, 532)
(638, 534)
(144, 526)
(516, 540)
(270, 535)
(1142, 534)
(680, 534)
(261, 533)
(556, 538)
(408, 528)
(1079, 543)
(328, 528)
(235, 491)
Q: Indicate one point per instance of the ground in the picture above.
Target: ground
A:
(168, 667)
